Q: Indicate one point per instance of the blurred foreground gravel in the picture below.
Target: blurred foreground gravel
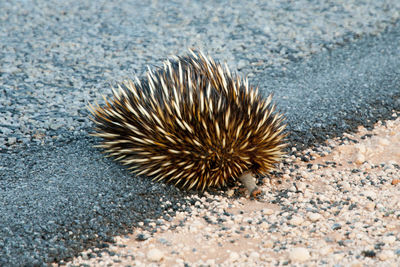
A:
(340, 207)
(60, 196)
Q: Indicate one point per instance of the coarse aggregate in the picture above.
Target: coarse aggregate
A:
(330, 211)
(59, 196)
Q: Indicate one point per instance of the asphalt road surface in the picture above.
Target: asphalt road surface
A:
(61, 197)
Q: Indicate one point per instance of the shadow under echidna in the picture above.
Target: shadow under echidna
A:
(192, 123)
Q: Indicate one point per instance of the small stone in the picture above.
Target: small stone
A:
(360, 158)
(142, 237)
(314, 216)
(155, 255)
(230, 192)
(345, 186)
(254, 255)
(314, 167)
(370, 206)
(368, 253)
(386, 255)
(336, 226)
(268, 244)
(395, 181)
(242, 63)
(389, 239)
(301, 186)
(12, 140)
(325, 250)
(366, 166)
(55, 126)
(268, 211)
(233, 256)
(297, 220)
(299, 254)
(305, 175)
(163, 241)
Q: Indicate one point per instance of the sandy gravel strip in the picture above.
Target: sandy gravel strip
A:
(334, 204)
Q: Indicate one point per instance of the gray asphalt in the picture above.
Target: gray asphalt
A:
(56, 56)
(58, 200)
(62, 196)
(338, 90)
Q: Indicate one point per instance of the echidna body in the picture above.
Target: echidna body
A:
(191, 123)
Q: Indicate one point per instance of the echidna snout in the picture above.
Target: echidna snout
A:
(191, 123)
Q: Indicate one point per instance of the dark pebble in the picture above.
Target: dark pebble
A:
(163, 241)
(379, 245)
(142, 237)
(328, 239)
(368, 253)
(111, 253)
(352, 206)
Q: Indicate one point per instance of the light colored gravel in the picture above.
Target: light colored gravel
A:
(299, 254)
(332, 210)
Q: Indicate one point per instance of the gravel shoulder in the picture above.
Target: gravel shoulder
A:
(339, 206)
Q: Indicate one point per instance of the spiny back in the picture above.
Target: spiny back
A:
(192, 123)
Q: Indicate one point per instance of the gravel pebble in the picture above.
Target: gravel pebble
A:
(254, 255)
(314, 216)
(297, 220)
(155, 255)
(233, 256)
(385, 255)
(268, 211)
(389, 239)
(299, 254)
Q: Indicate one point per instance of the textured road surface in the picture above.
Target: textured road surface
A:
(338, 90)
(62, 196)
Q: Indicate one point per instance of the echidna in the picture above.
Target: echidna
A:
(192, 123)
